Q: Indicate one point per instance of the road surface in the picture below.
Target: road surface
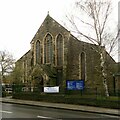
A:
(24, 111)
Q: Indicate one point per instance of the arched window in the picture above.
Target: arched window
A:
(59, 46)
(83, 66)
(48, 49)
(38, 51)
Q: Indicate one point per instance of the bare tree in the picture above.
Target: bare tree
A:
(6, 64)
(95, 18)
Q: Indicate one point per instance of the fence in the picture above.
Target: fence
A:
(87, 91)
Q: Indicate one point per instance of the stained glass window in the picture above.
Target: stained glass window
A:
(59, 45)
(83, 66)
(38, 51)
(48, 49)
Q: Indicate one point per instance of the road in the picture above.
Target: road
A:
(24, 111)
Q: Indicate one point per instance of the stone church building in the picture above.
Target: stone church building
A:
(56, 56)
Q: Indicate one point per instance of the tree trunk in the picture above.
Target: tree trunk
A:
(2, 76)
(103, 70)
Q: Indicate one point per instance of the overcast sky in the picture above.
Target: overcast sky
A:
(20, 20)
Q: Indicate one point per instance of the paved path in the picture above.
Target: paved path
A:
(63, 106)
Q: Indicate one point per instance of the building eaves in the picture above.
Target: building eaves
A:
(23, 56)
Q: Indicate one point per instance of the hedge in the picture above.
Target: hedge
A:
(70, 99)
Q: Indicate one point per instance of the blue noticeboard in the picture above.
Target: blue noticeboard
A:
(75, 84)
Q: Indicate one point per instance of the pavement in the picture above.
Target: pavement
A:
(83, 108)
